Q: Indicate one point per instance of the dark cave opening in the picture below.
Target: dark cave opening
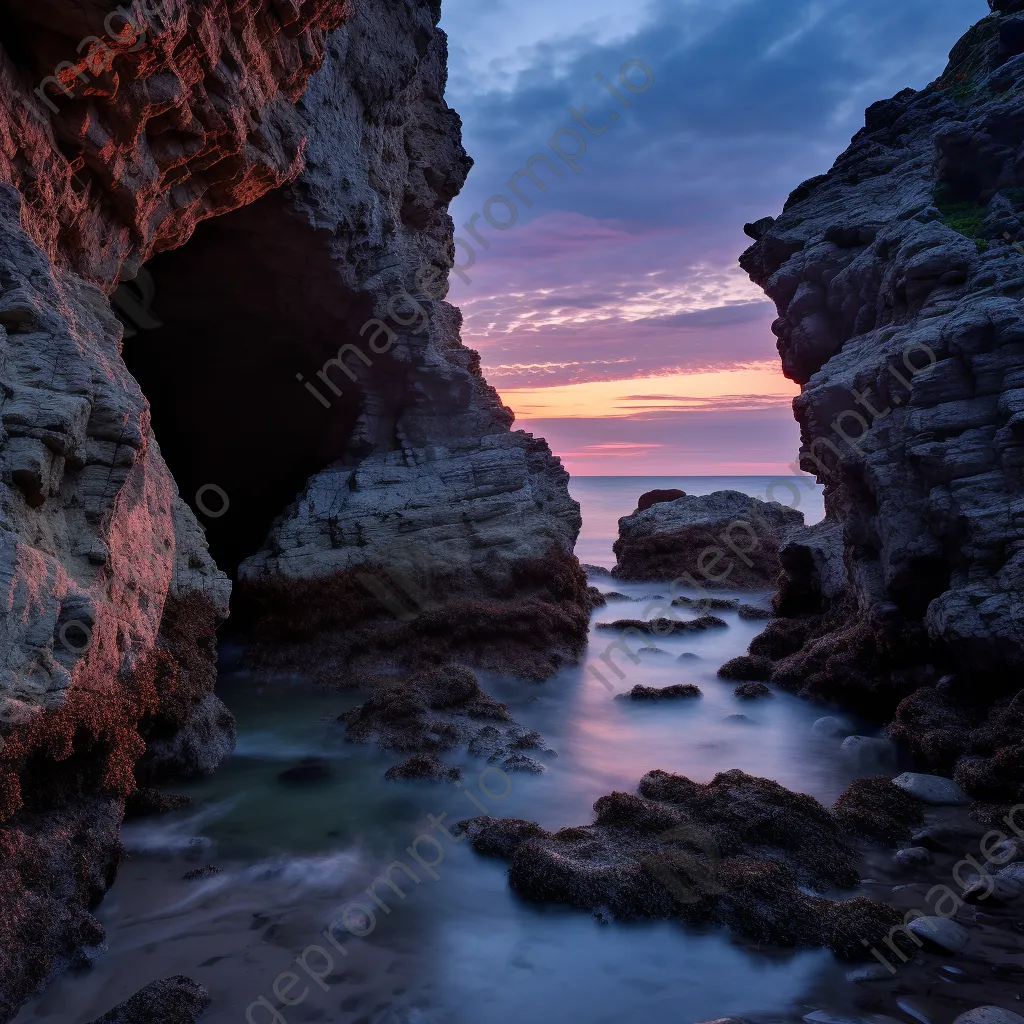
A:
(216, 334)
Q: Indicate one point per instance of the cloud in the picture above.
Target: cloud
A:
(628, 268)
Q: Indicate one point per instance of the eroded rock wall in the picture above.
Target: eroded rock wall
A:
(899, 279)
(431, 500)
(108, 630)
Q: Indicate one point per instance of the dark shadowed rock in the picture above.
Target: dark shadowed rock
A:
(177, 1000)
(724, 539)
(423, 767)
(664, 627)
(657, 497)
(647, 693)
(746, 668)
(878, 810)
(752, 691)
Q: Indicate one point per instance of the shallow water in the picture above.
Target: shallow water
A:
(460, 947)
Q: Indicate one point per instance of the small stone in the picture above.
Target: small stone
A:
(913, 857)
(828, 726)
(869, 972)
(989, 1015)
(932, 789)
(740, 719)
(991, 891)
(941, 932)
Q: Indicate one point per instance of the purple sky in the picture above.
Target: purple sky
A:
(628, 269)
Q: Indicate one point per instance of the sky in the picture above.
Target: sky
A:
(606, 301)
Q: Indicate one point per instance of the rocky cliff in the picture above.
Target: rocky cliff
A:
(899, 278)
(277, 241)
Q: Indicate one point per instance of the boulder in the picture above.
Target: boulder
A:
(724, 539)
(941, 932)
(932, 789)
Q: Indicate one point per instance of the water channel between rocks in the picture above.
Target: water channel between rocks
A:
(463, 947)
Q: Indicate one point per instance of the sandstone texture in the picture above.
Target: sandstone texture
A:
(898, 277)
(724, 539)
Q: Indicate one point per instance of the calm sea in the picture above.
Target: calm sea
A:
(604, 499)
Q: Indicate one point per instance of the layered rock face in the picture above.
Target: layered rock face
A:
(898, 277)
(183, 126)
(435, 530)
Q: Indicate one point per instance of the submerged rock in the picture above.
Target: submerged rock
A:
(724, 539)
(829, 726)
(177, 1000)
(940, 932)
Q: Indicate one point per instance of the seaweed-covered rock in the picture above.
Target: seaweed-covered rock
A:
(177, 1000)
(665, 627)
(878, 810)
(752, 691)
(423, 767)
(739, 851)
(430, 711)
(680, 691)
(746, 668)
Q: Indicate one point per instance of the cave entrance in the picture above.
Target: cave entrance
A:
(216, 334)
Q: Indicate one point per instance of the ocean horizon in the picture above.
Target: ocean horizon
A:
(605, 499)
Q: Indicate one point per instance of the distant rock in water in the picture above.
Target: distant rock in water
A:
(664, 627)
(725, 539)
(681, 691)
(657, 497)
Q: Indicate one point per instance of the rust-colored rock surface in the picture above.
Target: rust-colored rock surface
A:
(123, 133)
